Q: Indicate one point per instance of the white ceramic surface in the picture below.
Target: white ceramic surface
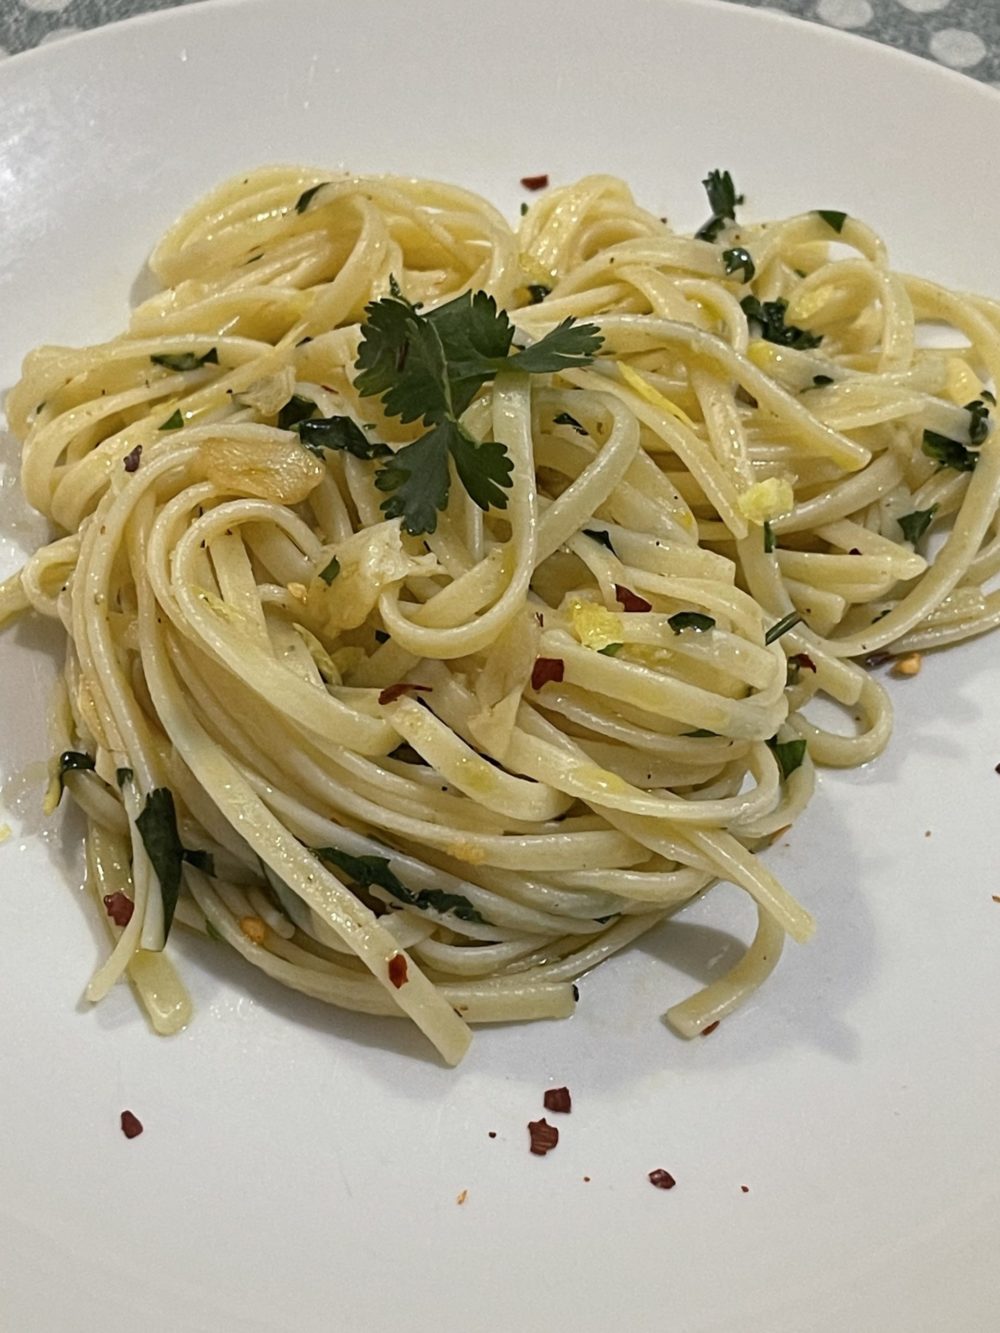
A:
(299, 1168)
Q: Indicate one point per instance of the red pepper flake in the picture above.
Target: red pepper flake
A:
(586, 1180)
(631, 600)
(663, 1180)
(119, 907)
(558, 1099)
(131, 1125)
(745, 1189)
(131, 461)
(535, 182)
(547, 669)
(710, 1028)
(462, 1198)
(397, 970)
(544, 1137)
(804, 662)
(393, 692)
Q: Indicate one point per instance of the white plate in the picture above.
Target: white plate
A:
(300, 1167)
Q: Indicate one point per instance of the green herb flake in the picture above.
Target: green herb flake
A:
(524, 210)
(538, 292)
(340, 433)
(833, 218)
(297, 409)
(769, 317)
(429, 367)
(737, 259)
(979, 421)
(789, 755)
(375, 870)
(331, 571)
(564, 419)
(722, 200)
(690, 620)
(985, 395)
(74, 761)
(611, 649)
(157, 825)
(174, 422)
(201, 860)
(769, 542)
(947, 452)
(186, 360)
(596, 535)
(821, 381)
(307, 196)
(916, 524)
(123, 775)
(381, 636)
(782, 626)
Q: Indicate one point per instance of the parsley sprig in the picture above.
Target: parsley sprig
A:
(429, 367)
(722, 200)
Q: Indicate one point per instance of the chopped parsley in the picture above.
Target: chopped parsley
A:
(174, 422)
(722, 200)
(123, 775)
(769, 316)
(769, 542)
(186, 360)
(564, 419)
(71, 761)
(789, 755)
(690, 620)
(157, 825)
(201, 860)
(298, 408)
(833, 218)
(949, 453)
(979, 421)
(821, 381)
(739, 259)
(375, 870)
(321, 433)
(538, 292)
(331, 571)
(611, 649)
(429, 367)
(596, 535)
(782, 626)
(916, 524)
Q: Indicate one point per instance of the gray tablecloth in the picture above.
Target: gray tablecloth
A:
(963, 34)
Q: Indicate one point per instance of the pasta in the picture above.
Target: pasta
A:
(442, 767)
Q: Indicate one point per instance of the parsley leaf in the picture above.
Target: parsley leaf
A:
(375, 870)
(738, 258)
(916, 524)
(331, 571)
(298, 408)
(157, 825)
(690, 620)
(321, 433)
(770, 316)
(949, 453)
(768, 538)
(611, 649)
(789, 755)
(821, 381)
(186, 360)
(174, 422)
(72, 761)
(722, 200)
(979, 421)
(429, 367)
(833, 218)
(782, 626)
